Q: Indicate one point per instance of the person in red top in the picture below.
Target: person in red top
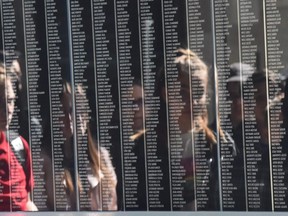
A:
(16, 178)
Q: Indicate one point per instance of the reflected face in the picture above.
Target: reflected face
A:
(234, 90)
(261, 100)
(261, 110)
(195, 92)
(67, 118)
(138, 111)
(15, 68)
(7, 103)
(185, 93)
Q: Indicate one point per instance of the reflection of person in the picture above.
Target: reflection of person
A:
(16, 178)
(192, 69)
(14, 66)
(100, 172)
(260, 79)
(139, 133)
(259, 82)
(239, 74)
(137, 95)
(193, 123)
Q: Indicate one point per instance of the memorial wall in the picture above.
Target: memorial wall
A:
(143, 105)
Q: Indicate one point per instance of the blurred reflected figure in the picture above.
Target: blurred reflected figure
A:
(239, 74)
(100, 172)
(67, 120)
(139, 133)
(261, 95)
(137, 94)
(193, 78)
(193, 92)
(138, 119)
(194, 131)
(16, 177)
(14, 66)
(262, 146)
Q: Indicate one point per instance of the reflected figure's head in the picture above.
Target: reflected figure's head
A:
(13, 66)
(7, 100)
(260, 81)
(67, 108)
(193, 79)
(137, 95)
(239, 74)
(260, 95)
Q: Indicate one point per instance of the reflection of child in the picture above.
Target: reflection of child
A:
(16, 178)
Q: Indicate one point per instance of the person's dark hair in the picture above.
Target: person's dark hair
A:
(285, 107)
(137, 81)
(274, 81)
(7, 60)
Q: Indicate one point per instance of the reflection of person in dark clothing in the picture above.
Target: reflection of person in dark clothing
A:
(138, 139)
(138, 119)
(260, 80)
(284, 141)
(239, 74)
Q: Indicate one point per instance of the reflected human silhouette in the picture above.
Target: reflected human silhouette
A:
(100, 173)
(16, 177)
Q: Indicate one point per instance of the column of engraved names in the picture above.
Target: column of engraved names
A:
(106, 105)
(195, 27)
(230, 190)
(37, 90)
(54, 57)
(80, 65)
(274, 64)
(126, 80)
(254, 157)
(175, 104)
(9, 30)
(152, 104)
